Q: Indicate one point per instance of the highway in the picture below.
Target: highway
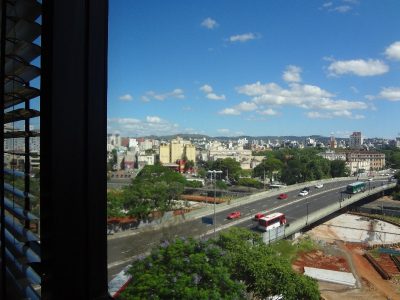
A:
(122, 247)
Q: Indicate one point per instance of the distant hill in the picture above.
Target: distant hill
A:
(227, 138)
(185, 136)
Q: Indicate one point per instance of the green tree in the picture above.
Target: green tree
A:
(217, 269)
(201, 172)
(183, 269)
(268, 167)
(293, 172)
(189, 165)
(392, 157)
(221, 185)
(264, 271)
(338, 168)
(153, 190)
(229, 167)
(115, 204)
(250, 182)
(193, 184)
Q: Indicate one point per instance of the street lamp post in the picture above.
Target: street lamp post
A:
(215, 192)
(307, 213)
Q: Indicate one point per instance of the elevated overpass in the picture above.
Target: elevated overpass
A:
(312, 217)
(300, 212)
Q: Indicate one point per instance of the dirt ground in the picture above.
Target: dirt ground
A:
(337, 255)
(319, 259)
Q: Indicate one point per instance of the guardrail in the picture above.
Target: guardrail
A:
(169, 219)
(313, 217)
(255, 197)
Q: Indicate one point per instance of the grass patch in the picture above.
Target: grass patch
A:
(290, 250)
(374, 253)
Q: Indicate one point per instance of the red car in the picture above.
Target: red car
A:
(234, 215)
(283, 196)
(258, 216)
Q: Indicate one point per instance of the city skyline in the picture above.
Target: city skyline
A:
(254, 69)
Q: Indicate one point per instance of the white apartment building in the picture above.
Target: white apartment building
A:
(145, 160)
(332, 155)
(367, 160)
(133, 143)
(146, 145)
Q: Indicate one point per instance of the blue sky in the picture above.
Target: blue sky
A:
(254, 67)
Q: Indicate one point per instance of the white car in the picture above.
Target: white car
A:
(319, 186)
(369, 179)
(303, 193)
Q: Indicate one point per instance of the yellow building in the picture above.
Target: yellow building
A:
(176, 151)
(190, 152)
(164, 154)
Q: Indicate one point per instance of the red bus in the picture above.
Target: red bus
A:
(271, 221)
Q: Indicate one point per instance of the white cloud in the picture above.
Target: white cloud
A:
(238, 109)
(267, 112)
(393, 51)
(208, 90)
(242, 37)
(311, 97)
(209, 23)
(151, 95)
(126, 97)
(213, 96)
(153, 119)
(299, 95)
(125, 121)
(272, 93)
(229, 111)
(342, 113)
(318, 115)
(354, 89)
(135, 127)
(257, 89)
(358, 67)
(246, 106)
(390, 93)
(342, 8)
(292, 74)
(327, 4)
(334, 114)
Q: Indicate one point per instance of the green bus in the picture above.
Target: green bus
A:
(355, 187)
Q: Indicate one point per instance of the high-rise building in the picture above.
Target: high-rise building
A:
(164, 154)
(190, 152)
(176, 150)
(333, 143)
(356, 140)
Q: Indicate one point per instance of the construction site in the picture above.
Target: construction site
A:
(356, 257)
